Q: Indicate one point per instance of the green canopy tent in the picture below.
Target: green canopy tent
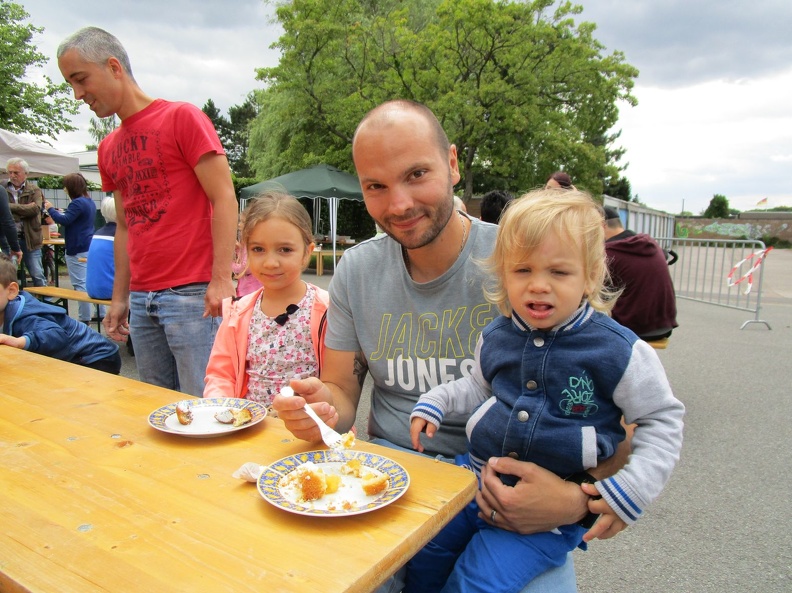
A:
(320, 182)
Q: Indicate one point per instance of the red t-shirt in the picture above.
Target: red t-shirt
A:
(150, 158)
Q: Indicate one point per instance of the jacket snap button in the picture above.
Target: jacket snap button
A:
(538, 342)
(531, 385)
(514, 455)
(523, 416)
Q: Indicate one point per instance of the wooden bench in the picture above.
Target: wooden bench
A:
(62, 296)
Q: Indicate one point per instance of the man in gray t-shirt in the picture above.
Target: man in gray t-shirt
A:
(408, 307)
(413, 335)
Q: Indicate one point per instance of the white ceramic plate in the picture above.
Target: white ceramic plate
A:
(204, 424)
(274, 485)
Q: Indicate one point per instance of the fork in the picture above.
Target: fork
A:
(330, 437)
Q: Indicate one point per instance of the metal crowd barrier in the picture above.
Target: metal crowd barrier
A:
(702, 273)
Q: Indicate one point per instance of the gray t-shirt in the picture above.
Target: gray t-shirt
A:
(414, 336)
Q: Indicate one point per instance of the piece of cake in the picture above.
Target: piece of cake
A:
(183, 413)
(310, 482)
(352, 467)
(347, 440)
(333, 482)
(373, 483)
(242, 416)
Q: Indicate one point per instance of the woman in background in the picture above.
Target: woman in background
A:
(78, 223)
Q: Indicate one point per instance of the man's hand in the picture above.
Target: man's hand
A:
(540, 501)
(290, 409)
(116, 321)
(215, 293)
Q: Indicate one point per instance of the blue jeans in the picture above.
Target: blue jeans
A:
(35, 267)
(172, 338)
(77, 271)
(559, 579)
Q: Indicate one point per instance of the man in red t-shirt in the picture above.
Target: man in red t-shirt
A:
(177, 214)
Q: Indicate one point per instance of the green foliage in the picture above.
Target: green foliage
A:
(99, 128)
(520, 88)
(234, 131)
(242, 182)
(56, 182)
(619, 188)
(40, 109)
(775, 242)
(774, 209)
(718, 207)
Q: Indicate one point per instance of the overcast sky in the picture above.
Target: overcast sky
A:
(715, 86)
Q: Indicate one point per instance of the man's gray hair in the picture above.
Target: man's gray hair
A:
(96, 45)
(18, 161)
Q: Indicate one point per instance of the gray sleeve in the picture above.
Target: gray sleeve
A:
(457, 397)
(646, 399)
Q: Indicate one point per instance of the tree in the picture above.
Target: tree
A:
(519, 88)
(619, 188)
(718, 207)
(99, 128)
(39, 109)
(234, 131)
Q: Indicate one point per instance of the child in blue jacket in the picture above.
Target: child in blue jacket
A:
(29, 324)
(553, 377)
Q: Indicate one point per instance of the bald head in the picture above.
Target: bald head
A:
(400, 111)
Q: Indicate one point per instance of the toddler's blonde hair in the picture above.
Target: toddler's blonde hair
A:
(573, 216)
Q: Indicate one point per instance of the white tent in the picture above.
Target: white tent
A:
(43, 160)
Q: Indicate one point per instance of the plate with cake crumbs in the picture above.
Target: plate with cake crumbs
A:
(333, 483)
(204, 418)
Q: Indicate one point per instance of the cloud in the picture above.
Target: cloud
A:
(713, 90)
(676, 43)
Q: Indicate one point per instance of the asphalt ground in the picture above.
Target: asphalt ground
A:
(721, 525)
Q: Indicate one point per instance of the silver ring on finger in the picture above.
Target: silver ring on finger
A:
(492, 515)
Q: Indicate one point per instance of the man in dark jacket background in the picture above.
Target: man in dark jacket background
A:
(638, 264)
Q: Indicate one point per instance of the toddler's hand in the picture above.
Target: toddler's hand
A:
(417, 426)
(608, 524)
(12, 341)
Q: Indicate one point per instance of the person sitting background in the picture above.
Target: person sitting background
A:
(638, 266)
(101, 265)
(559, 180)
(29, 324)
(492, 204)
(78, 224)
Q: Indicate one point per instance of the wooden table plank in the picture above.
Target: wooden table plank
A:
(94, 499)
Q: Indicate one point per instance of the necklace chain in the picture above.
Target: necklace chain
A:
(406, 257)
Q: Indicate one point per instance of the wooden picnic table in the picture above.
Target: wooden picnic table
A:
(94, 499)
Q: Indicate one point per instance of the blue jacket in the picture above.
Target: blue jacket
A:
(556, 398)
(79, 220)
(49, 330)
(100, 271)
(564, 381)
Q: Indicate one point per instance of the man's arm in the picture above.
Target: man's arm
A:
(31, 209)
(540, 501)
(214, 176)
(116, 321)
(334, 398)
